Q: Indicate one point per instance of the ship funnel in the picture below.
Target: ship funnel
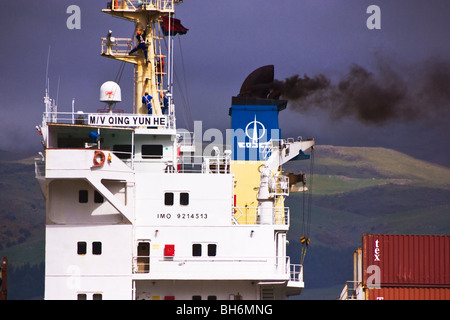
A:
(110, 92)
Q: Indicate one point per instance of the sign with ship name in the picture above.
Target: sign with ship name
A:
(127, 120)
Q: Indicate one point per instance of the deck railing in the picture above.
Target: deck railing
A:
(279, 266)
(133, 5)
(205, 164)
(116, 118)
(251, 215)
(116, 46)
(351, 291)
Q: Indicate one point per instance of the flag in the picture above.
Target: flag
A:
(175, 26)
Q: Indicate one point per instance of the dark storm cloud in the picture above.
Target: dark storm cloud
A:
(374, 97)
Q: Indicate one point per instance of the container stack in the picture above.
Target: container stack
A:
(402, 267)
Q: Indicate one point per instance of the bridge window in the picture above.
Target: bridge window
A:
(152, 151)
(122, 151)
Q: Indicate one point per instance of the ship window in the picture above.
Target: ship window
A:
(122, 151)
(212, 297)
(152, 151)
(196, 250)
(168, 198)
(96, 248)
(81, 247)
(212, 248)
(82, 296)
(184, 198)
(98, 198)
(97, 296)
(83, 196)
(196, 297)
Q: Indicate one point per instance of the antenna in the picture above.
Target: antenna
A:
(47, 84)
(57, 90)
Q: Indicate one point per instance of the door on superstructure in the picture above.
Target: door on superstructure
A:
(280, 251)
(143, 257)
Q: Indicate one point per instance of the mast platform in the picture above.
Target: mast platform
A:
(131, 9)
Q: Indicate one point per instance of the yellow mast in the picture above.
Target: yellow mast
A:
(149, 72)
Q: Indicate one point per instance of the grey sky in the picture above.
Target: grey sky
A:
(226, 41)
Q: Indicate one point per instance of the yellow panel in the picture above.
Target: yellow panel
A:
(247, 177)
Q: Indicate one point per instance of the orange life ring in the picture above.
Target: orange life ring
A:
(99, 158)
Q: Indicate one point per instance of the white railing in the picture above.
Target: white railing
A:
(116, 46)
(251, 215)
(351, 291)
(39, 168)
(206, 165)
(132, 5)
(275, 265)
(114, 119)
(296, 272)
(281, 186)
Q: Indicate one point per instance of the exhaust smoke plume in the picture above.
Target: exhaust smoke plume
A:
(373, 97)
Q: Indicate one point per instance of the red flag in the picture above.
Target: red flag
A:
(175, 26)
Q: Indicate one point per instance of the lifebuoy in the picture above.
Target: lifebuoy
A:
(99, 158)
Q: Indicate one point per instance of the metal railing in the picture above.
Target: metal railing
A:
(116, 46)
(351, 291)
(279, 265)
(281, 186)
(39, 167)
(133, 5)
(123, 119)
(251, 215)
(203, 164)
(296, 272)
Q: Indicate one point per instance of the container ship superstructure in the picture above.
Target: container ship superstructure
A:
(134, 210)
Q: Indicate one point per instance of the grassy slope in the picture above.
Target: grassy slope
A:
(363, 190)
(22, 207)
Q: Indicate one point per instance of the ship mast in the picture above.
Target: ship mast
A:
(150, 61)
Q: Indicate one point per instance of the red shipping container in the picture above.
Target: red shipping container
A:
(409, 293)
(406, 260)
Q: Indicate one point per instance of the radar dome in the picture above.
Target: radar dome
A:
(110, 92)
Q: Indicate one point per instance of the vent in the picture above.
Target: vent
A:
(267, 293)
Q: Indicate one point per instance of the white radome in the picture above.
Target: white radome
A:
(110, 92)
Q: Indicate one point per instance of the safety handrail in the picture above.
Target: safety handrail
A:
(142, 264)
(251, 215)
(132, 5)
(116, 46)
(82, 118)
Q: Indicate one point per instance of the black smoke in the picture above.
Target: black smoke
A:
(374, 97)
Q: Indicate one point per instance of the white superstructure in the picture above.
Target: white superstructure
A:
(133, 213)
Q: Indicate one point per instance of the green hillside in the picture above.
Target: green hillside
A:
(363, 190)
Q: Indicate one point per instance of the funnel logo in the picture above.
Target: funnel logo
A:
(257, 134)
(255, 130)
